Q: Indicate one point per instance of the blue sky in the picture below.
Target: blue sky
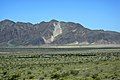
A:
(93, 14)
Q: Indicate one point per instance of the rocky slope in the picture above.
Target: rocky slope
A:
(52, 32)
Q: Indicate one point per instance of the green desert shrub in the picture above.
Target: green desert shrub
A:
(55, 76)
(74, 72)
(14, 77)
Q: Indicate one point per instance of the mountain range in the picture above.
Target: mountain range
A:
(52, 32)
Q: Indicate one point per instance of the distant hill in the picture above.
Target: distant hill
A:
(52, 32)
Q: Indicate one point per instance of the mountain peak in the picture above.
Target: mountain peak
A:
(54, 20)
(53, 32)
(7, 21)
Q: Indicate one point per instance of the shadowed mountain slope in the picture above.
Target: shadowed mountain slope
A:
(52, 32)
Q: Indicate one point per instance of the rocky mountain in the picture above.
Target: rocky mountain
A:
(52, 32)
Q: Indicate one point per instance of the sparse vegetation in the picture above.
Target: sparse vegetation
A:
(60, 63)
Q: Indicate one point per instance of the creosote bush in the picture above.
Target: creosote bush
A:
(60, 64)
